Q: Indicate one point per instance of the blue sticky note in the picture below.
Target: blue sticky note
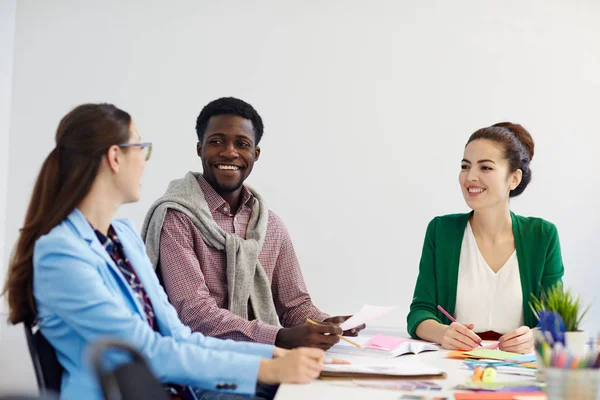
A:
(524, 358)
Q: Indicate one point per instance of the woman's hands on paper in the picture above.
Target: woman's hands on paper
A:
(460, 337)
(519, 340)
(300, 365)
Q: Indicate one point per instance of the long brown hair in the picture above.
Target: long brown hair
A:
(82, 138)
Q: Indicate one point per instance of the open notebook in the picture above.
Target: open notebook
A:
(382, 346)
(358, 371)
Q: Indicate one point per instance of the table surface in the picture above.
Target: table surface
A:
(456, 374)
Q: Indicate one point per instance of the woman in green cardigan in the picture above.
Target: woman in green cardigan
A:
(482, 267)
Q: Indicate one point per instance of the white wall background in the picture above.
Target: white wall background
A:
(367, 106)
(8, 10)
(16, 373)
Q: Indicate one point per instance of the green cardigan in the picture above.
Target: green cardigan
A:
(538, 253)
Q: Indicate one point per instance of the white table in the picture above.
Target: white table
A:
(340, 389)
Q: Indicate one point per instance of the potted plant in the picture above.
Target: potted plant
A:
(569, 307)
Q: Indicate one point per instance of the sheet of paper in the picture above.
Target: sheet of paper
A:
(459, 354)
(533, 397)
(516, 371)
(412, 369)
(366, 313)
(499, 396)
(492, 354)
(521, 386)
(398, 385)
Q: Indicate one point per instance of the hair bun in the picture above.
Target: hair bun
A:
(522, 136)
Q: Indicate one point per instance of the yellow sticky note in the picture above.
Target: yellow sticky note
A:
(492, 354)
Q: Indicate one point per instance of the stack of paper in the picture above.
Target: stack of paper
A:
(492, 355)
(405, 371)
(505, 362)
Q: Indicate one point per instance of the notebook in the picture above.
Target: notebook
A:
(367, 371)
(382, 346)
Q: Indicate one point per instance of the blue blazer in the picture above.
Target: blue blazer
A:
(81, 296)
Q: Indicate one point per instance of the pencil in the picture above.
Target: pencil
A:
(310, 321)
(450, 317)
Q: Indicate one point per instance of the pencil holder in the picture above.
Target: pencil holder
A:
(571, 384)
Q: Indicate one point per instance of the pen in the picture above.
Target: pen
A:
(450, 317)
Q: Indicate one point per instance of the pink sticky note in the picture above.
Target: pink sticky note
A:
(385, 342)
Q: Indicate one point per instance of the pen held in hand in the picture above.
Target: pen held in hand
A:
(451, 318)
(310, 321)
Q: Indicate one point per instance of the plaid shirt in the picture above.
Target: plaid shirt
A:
(114, 248)
(195, 274)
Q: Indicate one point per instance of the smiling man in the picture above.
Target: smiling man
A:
(226, 261)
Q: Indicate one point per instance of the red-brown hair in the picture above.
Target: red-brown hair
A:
(82, 138)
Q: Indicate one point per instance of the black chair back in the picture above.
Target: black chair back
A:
(129, 381)
(48, 370)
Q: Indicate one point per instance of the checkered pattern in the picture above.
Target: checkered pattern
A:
(114, 248)
(195, 275)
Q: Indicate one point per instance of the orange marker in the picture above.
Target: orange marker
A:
(477, 373)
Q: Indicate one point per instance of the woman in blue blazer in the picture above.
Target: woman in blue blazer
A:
(84, 276)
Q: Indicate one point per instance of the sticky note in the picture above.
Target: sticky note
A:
(492, 354)
(527, 358)
(384, 342)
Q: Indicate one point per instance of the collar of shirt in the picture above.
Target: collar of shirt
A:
(217, 203)
(109, 240)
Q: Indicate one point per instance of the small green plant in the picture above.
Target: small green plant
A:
(561, 301)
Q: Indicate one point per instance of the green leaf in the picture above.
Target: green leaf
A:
(563, 302)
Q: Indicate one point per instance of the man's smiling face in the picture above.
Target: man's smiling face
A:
(228, 152)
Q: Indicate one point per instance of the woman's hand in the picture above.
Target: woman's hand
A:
(518, 341)
(279, 352)
(460, 337)
(300, 365)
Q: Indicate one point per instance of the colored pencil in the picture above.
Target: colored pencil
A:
(451, 318)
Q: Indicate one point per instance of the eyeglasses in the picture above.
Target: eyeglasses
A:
(146, 147)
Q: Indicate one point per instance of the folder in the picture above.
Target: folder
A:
(410, 371)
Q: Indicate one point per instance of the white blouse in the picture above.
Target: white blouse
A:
(492, 301)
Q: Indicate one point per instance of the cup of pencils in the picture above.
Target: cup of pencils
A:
(567, 375)
(540, 351)
(580, 384)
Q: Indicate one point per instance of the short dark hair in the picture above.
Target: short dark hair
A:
(229, 106)
(518, 148)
